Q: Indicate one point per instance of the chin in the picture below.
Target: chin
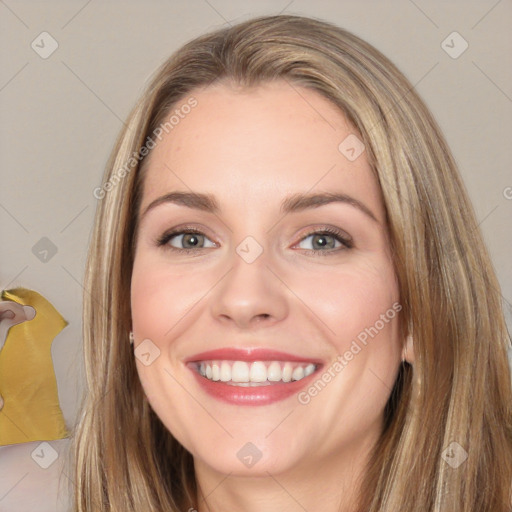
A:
(247, 461)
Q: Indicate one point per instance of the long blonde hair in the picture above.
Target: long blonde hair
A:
(459, 388)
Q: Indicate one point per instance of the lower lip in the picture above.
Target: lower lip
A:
(257, 395)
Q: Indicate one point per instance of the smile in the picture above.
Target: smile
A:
(257, 373)
(251, 376)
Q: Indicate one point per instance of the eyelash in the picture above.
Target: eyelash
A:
(338, 235)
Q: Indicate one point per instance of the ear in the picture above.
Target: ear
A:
(12, 313)
(408, 350)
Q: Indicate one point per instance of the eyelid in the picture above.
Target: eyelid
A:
(342, 236)
(163, 239)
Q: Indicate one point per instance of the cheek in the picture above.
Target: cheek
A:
(352, 300)
(361, 308)
(161, 296)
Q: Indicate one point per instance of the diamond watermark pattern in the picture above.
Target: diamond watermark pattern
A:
(454, 455)
(454, 45)
(249, 249)
(146, 352)
(249, 454)
(351, 147)
(44, 455)
(44, 45)
(44, 250)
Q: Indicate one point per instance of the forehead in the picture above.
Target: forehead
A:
(254, 145)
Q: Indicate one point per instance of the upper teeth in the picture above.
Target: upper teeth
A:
(258, 371)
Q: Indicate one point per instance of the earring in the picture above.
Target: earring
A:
(405, 358)
(131, 338)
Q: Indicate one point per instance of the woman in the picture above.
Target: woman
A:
(283, 236)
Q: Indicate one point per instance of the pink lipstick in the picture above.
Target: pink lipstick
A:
(252, 376)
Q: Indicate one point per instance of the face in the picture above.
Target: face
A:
(287, 305)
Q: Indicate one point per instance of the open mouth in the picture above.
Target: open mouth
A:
(252, 374)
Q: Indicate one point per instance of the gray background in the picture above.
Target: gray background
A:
(60, 116)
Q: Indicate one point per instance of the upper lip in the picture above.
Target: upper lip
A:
(250, 355)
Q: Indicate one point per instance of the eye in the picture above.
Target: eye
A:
(327, 241)
(184, 240)
(187, 240)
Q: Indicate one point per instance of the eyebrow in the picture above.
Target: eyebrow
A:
(294, 203)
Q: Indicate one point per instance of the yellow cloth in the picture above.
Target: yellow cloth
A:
(28, 386)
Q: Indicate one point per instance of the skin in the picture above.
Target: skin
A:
(252, 148)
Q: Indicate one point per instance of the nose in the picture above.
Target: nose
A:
(250, 295)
